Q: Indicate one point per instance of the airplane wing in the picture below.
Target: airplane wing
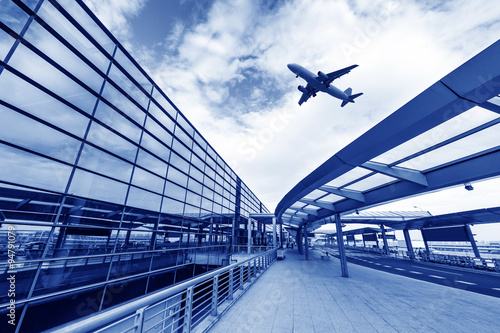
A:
(335, 75)
(307, 94)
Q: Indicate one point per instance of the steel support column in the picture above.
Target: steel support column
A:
(384, 237)
(340, 242)
(299, 240)
(427, 250)
(249, 235)
(306, 243)
(409, 247)
(472, 241)
(275, 244)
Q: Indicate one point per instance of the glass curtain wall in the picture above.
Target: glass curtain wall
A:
(107, 192)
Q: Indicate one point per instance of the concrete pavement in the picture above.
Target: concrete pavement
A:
(295, 295)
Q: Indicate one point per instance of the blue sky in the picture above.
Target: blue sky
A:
(223, 63)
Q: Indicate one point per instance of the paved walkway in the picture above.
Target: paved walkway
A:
(295, 295)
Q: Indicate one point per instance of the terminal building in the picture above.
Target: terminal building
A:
(120, 216)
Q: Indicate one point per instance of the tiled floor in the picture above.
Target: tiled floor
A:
(295, 295)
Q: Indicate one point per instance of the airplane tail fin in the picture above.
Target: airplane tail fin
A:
(348, 92)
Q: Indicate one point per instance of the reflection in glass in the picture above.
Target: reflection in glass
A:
(122, 103)
(6, 43)
(143, 199)
(89, 185)
(128, 86)
(116, 121)
(35, 136)
(110, 141)
(151, 163)
(147, 180)
(161, 117)
(45, 74)
(30, 99)
(17, 18)
(23, 168)
(96, 160)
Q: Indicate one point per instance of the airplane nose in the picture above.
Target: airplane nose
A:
(292, 67)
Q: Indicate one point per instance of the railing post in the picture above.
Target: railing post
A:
(189, 308)
(231, 283)
(241, 276)
(215, 294)
(140, 319)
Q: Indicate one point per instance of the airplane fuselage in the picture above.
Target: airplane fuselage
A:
(317, 82)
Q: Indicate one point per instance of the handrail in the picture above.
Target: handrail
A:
(100, 319)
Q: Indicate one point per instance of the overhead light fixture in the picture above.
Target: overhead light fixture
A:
(468, 187)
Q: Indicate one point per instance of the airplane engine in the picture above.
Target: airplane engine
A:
(302, 89)
(322, 75)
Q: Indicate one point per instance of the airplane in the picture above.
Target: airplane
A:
(322, 82)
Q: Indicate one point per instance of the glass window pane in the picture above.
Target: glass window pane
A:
(147, 180)
(196, 174)
(180, 149)
(172, 207)
(155, 147)
(53, 48)
(98, 161)
(177, 177)
(123, 104)
(193, 199)
(164, 103)
(28, 133)
(128, 86)
(185, 125)
(89, 185)
(69, 32)
(174, 191)
(23, 168)
(30, 99)
(194, 186)
(159, 132)
(110, 117)
(179, 162)
(6, 43)
(108, 140)
(92, 28)
(206, 204)
(161, 117)
(143, 199)
(151, 163)
(132, 69)
(45, 74)
(13, 16)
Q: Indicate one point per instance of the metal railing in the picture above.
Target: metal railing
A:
(181, 307)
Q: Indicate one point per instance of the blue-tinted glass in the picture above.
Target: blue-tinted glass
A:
(172, 207)
(48, 76)
(194, 186)
(218, 189)
(28, 133)
(89, 185)
(193, 199)
(151, 163)
(206, 204)
(191, 211)
(196, 174)
(217, 198)
(155, 147)
(23, 168)
(177, 177)
(196, 161)
(110, 117)
(6, 43)
(183, 137)
(179, 162)
(49, 45)
(161, 117)
(98, 161)
(217, 208)
(143, 199)
(164, 103)
(174, 191)
(147, 180)
(208, 183)
(208, 193)
(132, 69)
(180, 149)
(123, 104)
(128, 86)
(92, 28)
(160, 133)
(13, 16)
(182, 121)
(71, 34)
(108, 140)
(25, 96)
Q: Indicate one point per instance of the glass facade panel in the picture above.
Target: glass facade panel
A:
(164, 103)
(128, 86)
(148, 181)
(122, 103)
(161, 117)
(6, 43)
(51, 78)
(143, 199)
(54, 49)
(132, 70)
(35, 136)
(103, 137)
(96, 160)
(90, 185)
(151, 163)
(20, 167)
(113, 119)
(25, 96)
(13, 16)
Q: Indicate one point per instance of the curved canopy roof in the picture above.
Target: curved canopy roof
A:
(448, 135)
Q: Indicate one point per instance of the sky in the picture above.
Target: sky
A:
(223, 63)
